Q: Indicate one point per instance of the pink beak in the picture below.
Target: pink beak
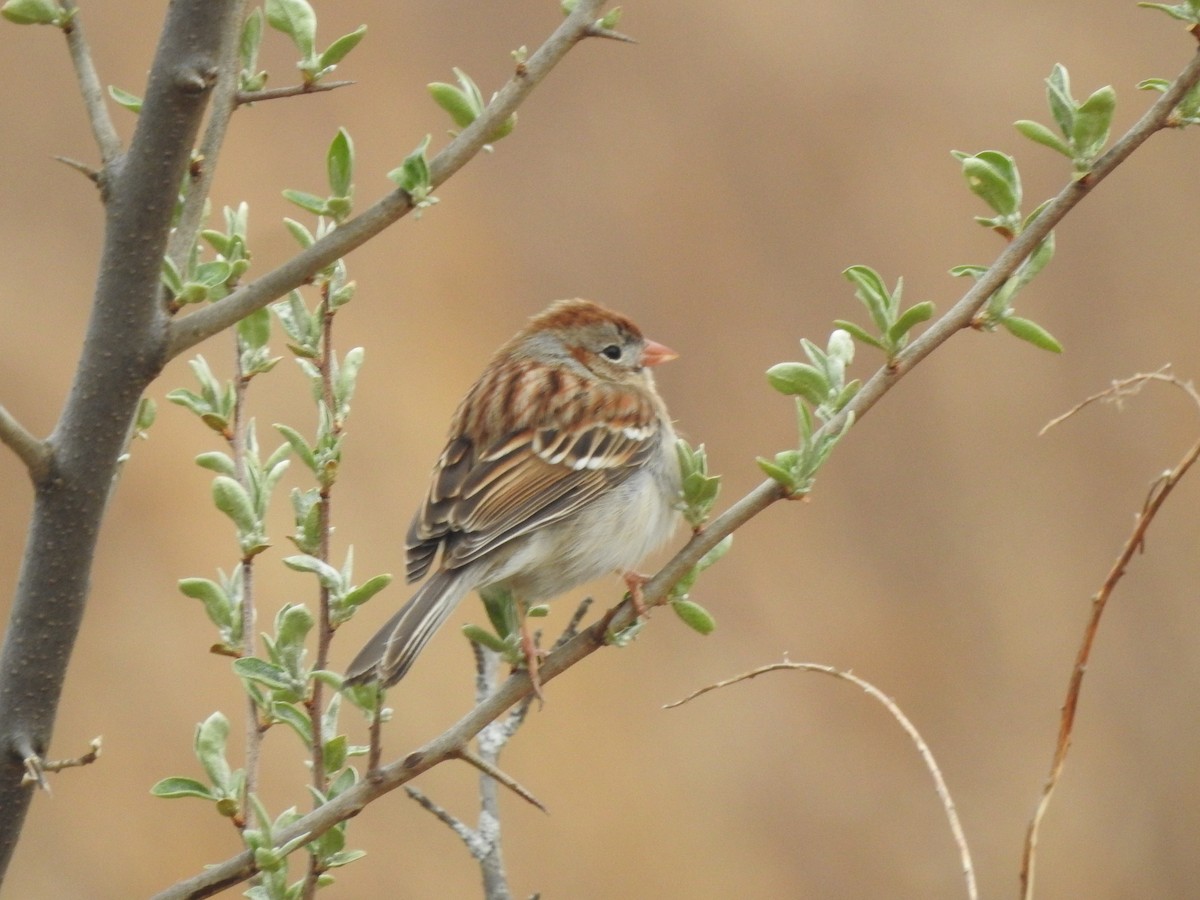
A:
(654, 353)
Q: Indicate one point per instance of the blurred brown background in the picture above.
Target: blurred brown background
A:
(711, 182)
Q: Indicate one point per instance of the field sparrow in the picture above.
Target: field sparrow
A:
(560, 467)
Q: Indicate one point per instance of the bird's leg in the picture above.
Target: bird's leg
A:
(532, 652)
(634, 581)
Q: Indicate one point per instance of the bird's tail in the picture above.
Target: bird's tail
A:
(391, 652)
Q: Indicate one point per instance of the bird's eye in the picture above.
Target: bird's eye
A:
(612, 351)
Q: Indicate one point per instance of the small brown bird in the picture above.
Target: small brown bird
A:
(560, 467)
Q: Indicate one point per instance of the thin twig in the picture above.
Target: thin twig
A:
(939, 782)
(1159, 490)
(1122, 388)
(203, 170)
(243, 98)
(103, 131)
(36, 768)
(35, 454)
(465, 832)
(237, 439)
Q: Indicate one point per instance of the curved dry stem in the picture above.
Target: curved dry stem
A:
(889, 704)
(34, 453)
(1159, 490)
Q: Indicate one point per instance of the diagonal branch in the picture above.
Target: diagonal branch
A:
(89, 86)
(31, 451)
(190, 330)
(449, 744)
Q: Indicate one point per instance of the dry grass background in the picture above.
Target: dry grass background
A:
(711, 182)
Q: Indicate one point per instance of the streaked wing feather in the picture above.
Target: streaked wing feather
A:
(521, 483)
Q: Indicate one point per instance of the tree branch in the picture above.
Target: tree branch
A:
(33, 453)
(202, 324)
(449, 744)
(103, 131)
(123, 351)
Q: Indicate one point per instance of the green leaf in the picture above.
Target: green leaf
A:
(799, 379)
(694, 616)
(211, 737)
(262, 672)
(217, 604)
(32, 12)
(231, 498)
(339, 49)
(453, 101)
(779, 473)
(181, 787)
(1092, 122)
(294, 717)
(1032, 332)
(1040, 134)
(870, 289)
(366, 590)
(339, 162)
(308, 202)
(485, 638)
(714, 555)
(1189, 12)
(299, 445)
(303, 236)
(255, 330)
(125, 99)
(970, 271)
(909, 319)
(251, 40)
(296, 19)
(858, 333)
(992, 176)
(327, 575)
(1062, 104)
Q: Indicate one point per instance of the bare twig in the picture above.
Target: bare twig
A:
(35, 454)
(890, 705)
(36, 768)
(243, 98)
(1122, 388)
(465, 832)
(1159, 490)
(103, 131)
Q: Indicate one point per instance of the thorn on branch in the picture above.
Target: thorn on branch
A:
(92, 175)
(500, 776)
(598, 31)
(294, 90)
